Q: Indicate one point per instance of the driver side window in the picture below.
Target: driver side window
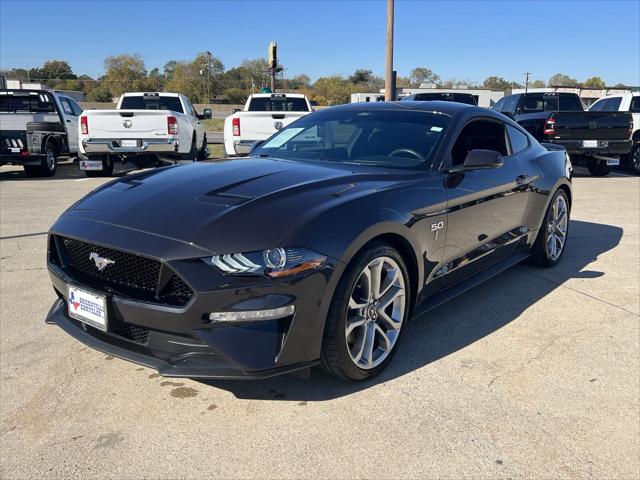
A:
(479, 135)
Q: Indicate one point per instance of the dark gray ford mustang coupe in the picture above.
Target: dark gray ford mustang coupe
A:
(315, 250)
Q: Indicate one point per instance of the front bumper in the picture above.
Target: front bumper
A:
(181, 341)
(102, 146)
(605, 147)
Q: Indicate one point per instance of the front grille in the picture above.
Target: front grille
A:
(126, 273)
(139, 335)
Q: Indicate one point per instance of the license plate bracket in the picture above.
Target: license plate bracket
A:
(90, 165)
(129, 143)
(590, 143)
(87, 307)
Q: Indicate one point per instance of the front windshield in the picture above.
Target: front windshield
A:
(376, 137)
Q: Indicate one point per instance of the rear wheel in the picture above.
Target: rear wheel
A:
(598, 168)
(369, 308)
(48, 164)
(552, 237)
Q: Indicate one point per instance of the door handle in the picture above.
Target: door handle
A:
(68, 121)
(523, 179)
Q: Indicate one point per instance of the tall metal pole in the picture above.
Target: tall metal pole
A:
(208, 77)
(388, 84)
(526, 81)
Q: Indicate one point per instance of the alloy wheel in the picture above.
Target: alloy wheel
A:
(635, 159)
(557, 224)
(375, 313)
(50, 159)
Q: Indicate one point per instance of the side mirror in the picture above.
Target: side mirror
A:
(480, 159)
(207, 113)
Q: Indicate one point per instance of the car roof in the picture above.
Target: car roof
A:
(269, 95)
(161, 94)
(434, 106)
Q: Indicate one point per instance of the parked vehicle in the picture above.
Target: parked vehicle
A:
(263, 115)
(625, 102)
(36, 127)
(316, 250)
(459, 97)
(144, 128)
(598, 138)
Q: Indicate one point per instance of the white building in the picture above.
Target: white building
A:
(484, 97)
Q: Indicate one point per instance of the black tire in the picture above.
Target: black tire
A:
(598, 168)
(193, 153)
(540, 255)
(48, 164)
(107, 169)
(335, 357)
(634, 158)
(203, 153)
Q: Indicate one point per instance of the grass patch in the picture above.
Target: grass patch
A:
(216, 150)
(213, 124)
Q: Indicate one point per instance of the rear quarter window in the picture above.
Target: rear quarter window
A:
(519, 141)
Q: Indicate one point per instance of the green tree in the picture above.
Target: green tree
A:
(594, 82)
(561, 80)
(333, 90)
(125, 73)
(537, 84)
(496, 83)
(100, 94)
(361, 76)
(422, 75)
(236, 95)
(57, 69)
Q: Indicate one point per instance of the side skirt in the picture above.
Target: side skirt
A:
(468, 283)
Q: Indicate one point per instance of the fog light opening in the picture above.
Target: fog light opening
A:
(252, 315)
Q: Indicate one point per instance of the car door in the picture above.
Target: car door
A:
(486, 207)
(70, 121)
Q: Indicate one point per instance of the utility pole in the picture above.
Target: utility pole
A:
(526, 81)
(209, 76)
(389, 87)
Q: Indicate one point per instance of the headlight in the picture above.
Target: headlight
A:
(275, 262)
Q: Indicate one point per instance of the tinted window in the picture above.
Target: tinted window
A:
(613, 104)
(381, 138)
(635, 104)
(519, 141)
(539, 102)
(479, 134)
(151, 102)
(499, 106)
(570, 103)
(510, 104)
(598, 106)
(76, 108)
(40, 103)
(278, 104)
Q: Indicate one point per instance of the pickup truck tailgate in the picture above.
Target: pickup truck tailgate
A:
(127, 123)
(592, 125)
(260, 125)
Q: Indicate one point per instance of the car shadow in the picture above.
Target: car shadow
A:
(450, 327)
(67, 169)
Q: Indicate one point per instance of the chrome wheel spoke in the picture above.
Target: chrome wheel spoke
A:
(354, 323)
(375, 312)
(389, 321)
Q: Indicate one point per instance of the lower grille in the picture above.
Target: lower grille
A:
(139, 335)
(124, 273)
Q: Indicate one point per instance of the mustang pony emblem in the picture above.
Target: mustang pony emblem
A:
(101, 262)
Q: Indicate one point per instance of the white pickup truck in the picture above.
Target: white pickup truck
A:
(144, 128)
(625, 102)
(263, 115)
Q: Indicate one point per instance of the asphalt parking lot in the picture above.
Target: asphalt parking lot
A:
(535, 374)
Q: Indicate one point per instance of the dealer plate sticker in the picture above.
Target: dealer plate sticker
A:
(90, 164)
(590, 143)
(87, 307)
(129, 143)
(613, 161)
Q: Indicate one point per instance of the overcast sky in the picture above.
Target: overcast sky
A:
(456, 39)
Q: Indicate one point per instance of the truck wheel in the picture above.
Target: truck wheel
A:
(598, 168)
(193, 153)
(203, 153)
(634, 159)
(48, 165)
(107, 169)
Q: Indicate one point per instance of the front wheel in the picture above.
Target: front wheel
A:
(367, 314)
(598, 168)
(552, 236)
(203, 153)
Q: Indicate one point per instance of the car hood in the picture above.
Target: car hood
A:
(239, 205)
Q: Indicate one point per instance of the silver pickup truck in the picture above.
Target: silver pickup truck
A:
(36, 127)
